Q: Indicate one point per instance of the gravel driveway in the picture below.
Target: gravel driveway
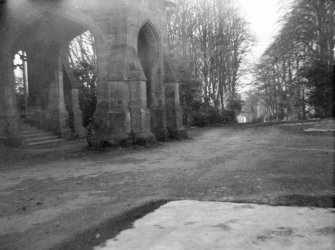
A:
(50, 195)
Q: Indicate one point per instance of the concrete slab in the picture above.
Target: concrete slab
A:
(213, 225)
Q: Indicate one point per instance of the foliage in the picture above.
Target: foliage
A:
(294, 74)
(19, 94)
(189, 90)
(234, 103)
(209, 115)
(83, 62)
(319, 80)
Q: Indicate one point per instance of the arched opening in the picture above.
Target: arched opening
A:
(82, 60)
(148, 53)
(57, 71)
(20, 70)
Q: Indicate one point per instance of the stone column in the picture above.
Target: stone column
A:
(25, 80)
(111, 125)
(121, 116)
(174, 111)
(63, 115)
(79, 130)
(118, 122)
(157, 107)
(9, 117)
(140, 115)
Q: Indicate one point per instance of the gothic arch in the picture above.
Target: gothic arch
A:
(149, 53)
(147, 24)
(69, 14)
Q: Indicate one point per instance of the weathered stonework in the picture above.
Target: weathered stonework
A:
(132, 104)
(174, 111)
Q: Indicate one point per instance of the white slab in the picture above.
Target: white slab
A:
(192, 225)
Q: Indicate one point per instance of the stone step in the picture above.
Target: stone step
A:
(44, 142)
(30, 131)
(27, 126)
(36, 134)
(40, 139)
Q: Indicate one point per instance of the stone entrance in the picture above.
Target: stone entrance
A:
(132, 100)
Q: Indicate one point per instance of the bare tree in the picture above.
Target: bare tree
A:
(82, 59)
(214, 39)
(294, 74)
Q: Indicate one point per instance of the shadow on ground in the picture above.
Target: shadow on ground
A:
(108, 229)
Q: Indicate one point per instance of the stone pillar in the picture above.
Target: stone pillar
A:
(63, 115)
(140, 115)
(79, 130)
(111, 125)
(174, 111)
(158, 122)
(51, 114)
(9, 117)
(118, 123)
(157, 107)
(121, 116)
(25, 81)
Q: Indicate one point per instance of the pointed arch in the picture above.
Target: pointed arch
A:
(148, 26)
(148, 50)
(70, 14)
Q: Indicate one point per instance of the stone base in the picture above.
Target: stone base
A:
(66, 133)
(143, 139)
(102, 140)
(99, 140)
(80, 132)
(9, 131)
(158, 123)
(161, 134)
(178, 134)
(14, 142)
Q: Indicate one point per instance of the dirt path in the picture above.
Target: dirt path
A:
(53, 195)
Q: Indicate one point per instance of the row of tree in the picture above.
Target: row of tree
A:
(209, 41)
(295, 74)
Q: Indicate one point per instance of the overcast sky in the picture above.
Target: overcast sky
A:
(262, 16)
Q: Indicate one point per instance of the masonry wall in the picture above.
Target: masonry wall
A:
(122, 110)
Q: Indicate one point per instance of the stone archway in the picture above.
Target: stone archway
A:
(130, 95)
(45, 37)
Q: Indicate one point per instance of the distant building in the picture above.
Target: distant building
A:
(253, 110)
